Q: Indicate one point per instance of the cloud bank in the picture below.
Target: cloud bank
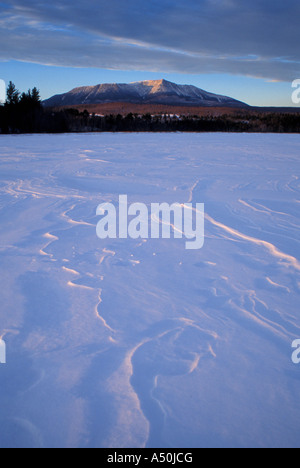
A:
(257, 38)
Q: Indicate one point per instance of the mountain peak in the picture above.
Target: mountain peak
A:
(143, 92)
(150, 82)
(155, 82)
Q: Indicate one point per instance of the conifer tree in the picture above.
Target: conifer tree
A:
(13, 95)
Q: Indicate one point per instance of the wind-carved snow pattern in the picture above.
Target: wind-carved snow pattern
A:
(141, 343)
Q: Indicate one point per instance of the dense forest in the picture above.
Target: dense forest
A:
(24, 113)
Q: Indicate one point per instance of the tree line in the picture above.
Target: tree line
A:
(21, 111)
(24, 113)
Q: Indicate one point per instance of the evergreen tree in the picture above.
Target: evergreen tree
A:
(25, 98)
(35, 96)
(13, 95)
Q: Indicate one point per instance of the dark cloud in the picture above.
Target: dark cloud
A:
(255, 38)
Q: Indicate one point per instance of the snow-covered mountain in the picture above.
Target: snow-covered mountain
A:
(144, 92)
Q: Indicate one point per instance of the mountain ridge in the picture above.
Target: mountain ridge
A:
(143, 92)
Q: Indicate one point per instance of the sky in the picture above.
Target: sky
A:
(246, 49)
